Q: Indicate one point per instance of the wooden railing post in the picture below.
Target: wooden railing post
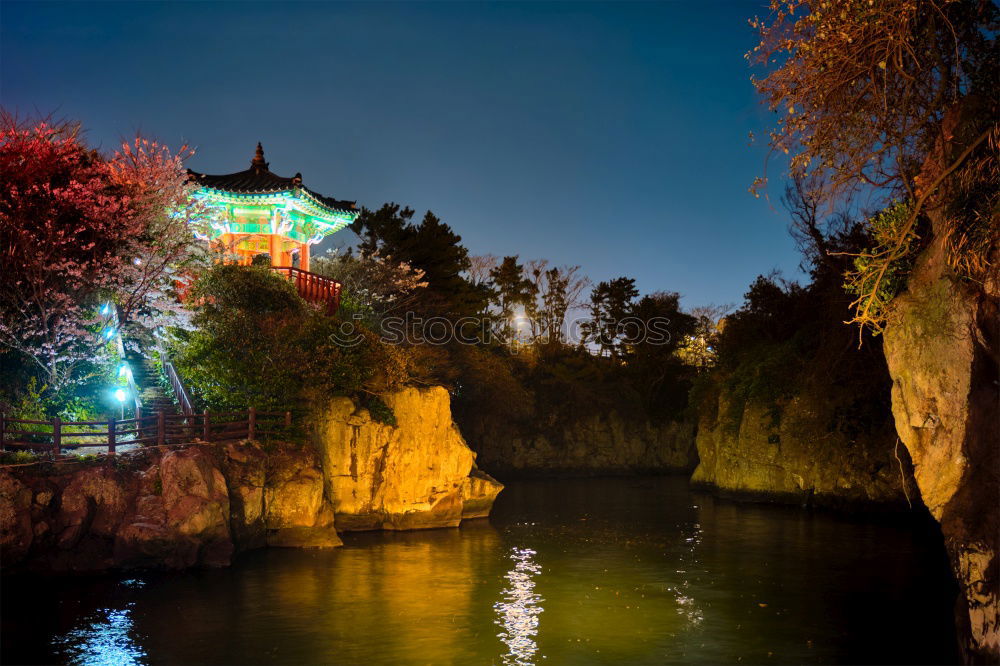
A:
(204, 426)
(111, 436)
(56, 436)
(161, 428)
(288, 419)
(251, 423)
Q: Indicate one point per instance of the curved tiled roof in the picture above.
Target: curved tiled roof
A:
(259, 180)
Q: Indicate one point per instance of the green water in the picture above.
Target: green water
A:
(611, 571)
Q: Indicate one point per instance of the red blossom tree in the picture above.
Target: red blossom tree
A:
(78, 229)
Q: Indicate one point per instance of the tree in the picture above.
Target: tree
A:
(78, 229)
(511, 288)
(480, 266)
(895, 100)
(256, 342)
(372, 286)
(610, 303)
(699, 348)
(431, 247)
(652, 336)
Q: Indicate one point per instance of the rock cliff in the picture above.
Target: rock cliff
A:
(414, 474)
(797, 458)
(943, 349)
(199, 504)
(603, 443)
(174, 508)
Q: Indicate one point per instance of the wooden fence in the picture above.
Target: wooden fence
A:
(153, 429)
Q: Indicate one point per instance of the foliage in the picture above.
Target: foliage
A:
(20, 457)
(379, 411)
(430, 247)
(656, 371)
(257, 343)
(896, 100)
(787, 341)
(78, 229)
(373, 286)
(877, 282)
(610, 303)
(545, 294)
(510, 289)
(559, 289)
(698, 348)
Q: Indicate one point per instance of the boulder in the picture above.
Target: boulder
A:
(297, 512)
(16, 530)
(410, 475)
(479, 490)
(181, 516)
(244, 465)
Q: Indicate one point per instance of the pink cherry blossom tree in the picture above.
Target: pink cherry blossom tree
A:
(79, 229)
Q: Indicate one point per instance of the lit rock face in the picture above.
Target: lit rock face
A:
(942, 348)
(479, 490)
(297, 512)
(278, 497)
(603, 443)
(413, 475)
(183, 507)
(796, 459)
(181, 512)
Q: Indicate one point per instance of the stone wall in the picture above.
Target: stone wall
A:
(604, 443)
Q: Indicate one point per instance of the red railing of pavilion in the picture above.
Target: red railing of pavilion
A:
(312, 287)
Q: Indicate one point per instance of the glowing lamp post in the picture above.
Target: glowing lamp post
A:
(120, 396)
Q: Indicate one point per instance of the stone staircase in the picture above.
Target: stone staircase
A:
(147, 379)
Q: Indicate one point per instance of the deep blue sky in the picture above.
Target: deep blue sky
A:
(613, 136)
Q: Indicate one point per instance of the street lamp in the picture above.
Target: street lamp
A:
(120, 396)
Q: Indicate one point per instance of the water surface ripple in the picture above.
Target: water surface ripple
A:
(598, 571)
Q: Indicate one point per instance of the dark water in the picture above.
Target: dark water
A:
(637, 571)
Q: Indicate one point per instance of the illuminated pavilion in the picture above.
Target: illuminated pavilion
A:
(262, 213)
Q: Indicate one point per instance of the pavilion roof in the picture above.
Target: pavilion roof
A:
(258, 179)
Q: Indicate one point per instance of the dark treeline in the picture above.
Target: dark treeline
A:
(528, 344)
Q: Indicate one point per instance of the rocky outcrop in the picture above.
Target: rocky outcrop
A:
(479, 490)
(796, 458)
(199, 504)
(414, 474)
(278, 497)
(297, 511)
(603, 443)
(181, 507)
(942, 345)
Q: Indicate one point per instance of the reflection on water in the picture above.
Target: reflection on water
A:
(519, 610)
(105, 641)
(687, 606)
(637, 571)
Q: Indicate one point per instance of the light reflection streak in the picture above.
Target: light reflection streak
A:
(107, 641)
(518, 612)
(687, 606)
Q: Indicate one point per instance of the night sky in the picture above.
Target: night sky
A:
(614, 136)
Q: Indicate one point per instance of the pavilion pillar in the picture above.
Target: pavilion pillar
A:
(304, 257)
(274, 249)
